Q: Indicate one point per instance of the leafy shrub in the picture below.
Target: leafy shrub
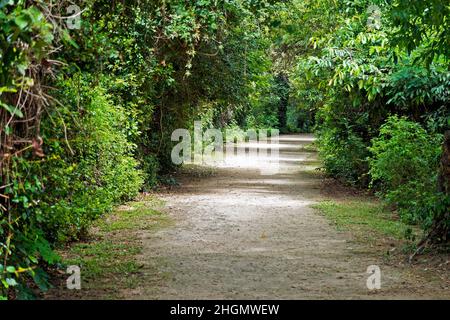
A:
(299, 120)
(23, 245)
(151, 167)
(342, 147)
(404, 166)
(86, 168)
(92, 168)
(342, 155)
(86, 114)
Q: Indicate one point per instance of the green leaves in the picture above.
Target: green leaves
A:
(422, 24)
(403, 167)
(22, 21)
(5, 278)
(25, 38)
(14, 111)
(28, 18)
(136, 70)
(107, 120)
(10, 269)
(356, 77)
(68, 39)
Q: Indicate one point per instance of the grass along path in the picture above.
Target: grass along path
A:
(367, 220)
(109, 259)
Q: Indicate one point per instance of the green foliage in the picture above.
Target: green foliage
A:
(20, 24)
(343, 153)
(425, 24)
(23, 244)
(25, 37)
(403, 166)
(92, 167)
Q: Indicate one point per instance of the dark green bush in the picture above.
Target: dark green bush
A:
(341, 155)
(342, 146)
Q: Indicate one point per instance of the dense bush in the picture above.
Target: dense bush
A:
(343, 151)
(88, 168)
(91, 168)
(25, 40)
(404, 167)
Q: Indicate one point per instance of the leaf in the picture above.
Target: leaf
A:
(5, 284)
(12, 110)
(33, 259)
(68, 39)
(35, 14)
(10, 269)
(42, 280)
(21, 21)
(7, 89)
(46, 252)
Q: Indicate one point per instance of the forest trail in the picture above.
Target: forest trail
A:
(238, 234)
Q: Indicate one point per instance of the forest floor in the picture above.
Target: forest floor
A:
(229, 232)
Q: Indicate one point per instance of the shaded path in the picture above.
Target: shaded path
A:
(240, 235)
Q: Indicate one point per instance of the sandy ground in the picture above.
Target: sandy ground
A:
(238, 234)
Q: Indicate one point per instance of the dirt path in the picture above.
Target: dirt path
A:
(240, 235)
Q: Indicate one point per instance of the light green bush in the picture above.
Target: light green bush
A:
(404, 167)
(91, 169)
